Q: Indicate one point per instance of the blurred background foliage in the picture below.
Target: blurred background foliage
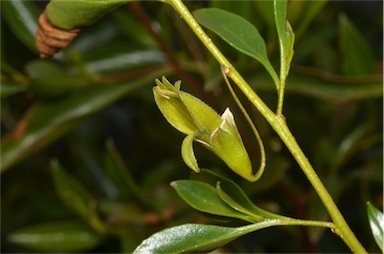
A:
(87, 158)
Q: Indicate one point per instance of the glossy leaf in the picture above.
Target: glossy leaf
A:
(10, 89)
(357, 55)
(44, 73)
(113, 59)
(133, 29)
(46, 122)
(376, 221)
(234, 196)
(22, 17)
(237, 32)
(193, 238)
(204, 198)
(265, 10)
(325, 86)
(302, 13)
(64, 236)
(120, 175)
(75, 196)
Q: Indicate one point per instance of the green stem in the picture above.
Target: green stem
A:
(312, 223)
(278, 124)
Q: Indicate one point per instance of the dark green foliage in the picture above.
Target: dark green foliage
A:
(91, 110)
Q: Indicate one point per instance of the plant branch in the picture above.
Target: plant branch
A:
(279, 125)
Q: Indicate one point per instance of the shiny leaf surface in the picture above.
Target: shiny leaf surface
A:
(193, 238)
(204, 197)
(46, 122)
(358, 58)
(376, 221)
(65, 236)
(22, 17)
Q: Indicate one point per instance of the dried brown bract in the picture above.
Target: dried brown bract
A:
(49, 40)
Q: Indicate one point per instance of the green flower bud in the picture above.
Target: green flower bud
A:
(226, 143)
(201, 123)
(183, 111)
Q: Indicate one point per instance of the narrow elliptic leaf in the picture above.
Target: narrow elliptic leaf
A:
(133, 29)
(63, 236)
(357, 55)
(286, 36)
(280, 12)
(119, 173)
(194, 238)
(72, 192)
(22, 18)
(188, 154)
(325, 86)
(265, 11)
(10, 89)
(237, 32)
(302, 13)
(203, 197)
(235, 204)
(376, 221)
(235, 197)
(113, 58)
(44, 73)
(46, 122)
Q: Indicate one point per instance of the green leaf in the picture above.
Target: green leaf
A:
(115, 58)
(286, 36)
(10, 89)
(46, 122)
(193, 238)
(264, 9)
(234, 196)
(376, 221)
(73, 194)
(120, 175)
(357, 55)
(302, 13)
(237, 32)
(204, 197)
(325, 86)
(133, 29)
(22, 18)
(64, 236)
(44, 73)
